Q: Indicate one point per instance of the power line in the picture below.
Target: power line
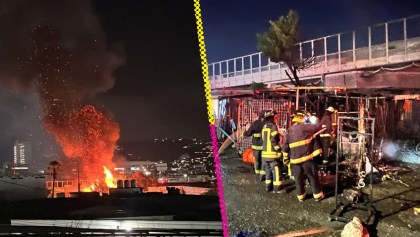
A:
(22, 185)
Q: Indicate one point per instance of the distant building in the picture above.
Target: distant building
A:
(22, 153)
(148, 168)
(199, 168)
(11, 169)
(161, 166)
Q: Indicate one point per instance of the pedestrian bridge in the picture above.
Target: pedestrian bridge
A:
(392, 44)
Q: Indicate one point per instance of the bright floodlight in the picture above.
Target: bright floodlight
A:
(313, 119)
(390, 149)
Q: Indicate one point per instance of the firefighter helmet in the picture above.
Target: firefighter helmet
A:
(298, 116)
(330, 109)
(269, 113)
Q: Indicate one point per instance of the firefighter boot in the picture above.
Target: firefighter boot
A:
(262, 176)
(268, 185)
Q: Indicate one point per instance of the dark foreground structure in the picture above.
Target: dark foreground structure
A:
(250, 208)
(143, 215)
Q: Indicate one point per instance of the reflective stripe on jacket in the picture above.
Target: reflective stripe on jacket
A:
(299, 143)
(271, 139)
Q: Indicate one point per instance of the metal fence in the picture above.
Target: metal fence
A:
(382, 44)
(248, 112)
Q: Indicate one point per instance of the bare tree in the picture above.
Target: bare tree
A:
(279, 43)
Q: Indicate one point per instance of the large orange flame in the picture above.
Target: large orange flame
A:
(109, 178)
(89, 135)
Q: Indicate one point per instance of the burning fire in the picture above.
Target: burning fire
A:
(109, 178)
(90, 135)
(91, 188)
(66, 81)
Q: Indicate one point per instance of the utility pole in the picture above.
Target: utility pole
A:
(78, 176)
(53, 184)
(53, 166)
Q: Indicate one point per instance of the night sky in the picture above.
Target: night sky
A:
(160, 91)
(155, 91)
(231, 26)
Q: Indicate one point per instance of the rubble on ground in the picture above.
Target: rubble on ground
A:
(251, 208)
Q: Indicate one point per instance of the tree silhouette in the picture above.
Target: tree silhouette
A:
(279, 43)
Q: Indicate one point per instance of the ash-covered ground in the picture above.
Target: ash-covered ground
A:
(251, 208)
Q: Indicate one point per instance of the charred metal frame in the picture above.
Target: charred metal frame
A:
(341, 207)
(249, 108)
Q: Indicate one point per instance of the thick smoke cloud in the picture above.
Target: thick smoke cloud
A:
(80, 35)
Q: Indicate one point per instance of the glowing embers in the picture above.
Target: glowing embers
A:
(90, 136)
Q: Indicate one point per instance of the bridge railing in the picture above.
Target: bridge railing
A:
(382, 44)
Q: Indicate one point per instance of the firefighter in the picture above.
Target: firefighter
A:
(255, 131)
(298, 150)
(271, 154)
(325, 137)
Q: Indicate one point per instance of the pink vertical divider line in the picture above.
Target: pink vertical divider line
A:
(219, 180)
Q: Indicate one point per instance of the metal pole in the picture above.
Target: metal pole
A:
(78, 176)
(53, 186)
(339, 51)
(371, 167)
(313, 54)
(336, 160)
(405, 39)
(347, 101)
(312, 88)
(300, 49)
(227, 72)
(325, 54)
(369, 45)
(250, 64)
(243, 68)
(354, 49)
(297, 98)
(227, 69)
(234, 68)
(386, 43)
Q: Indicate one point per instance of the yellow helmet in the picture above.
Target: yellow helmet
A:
(298, 116)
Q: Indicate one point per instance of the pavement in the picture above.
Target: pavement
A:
(250, 208)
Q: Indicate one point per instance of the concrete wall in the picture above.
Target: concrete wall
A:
(22, 188)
